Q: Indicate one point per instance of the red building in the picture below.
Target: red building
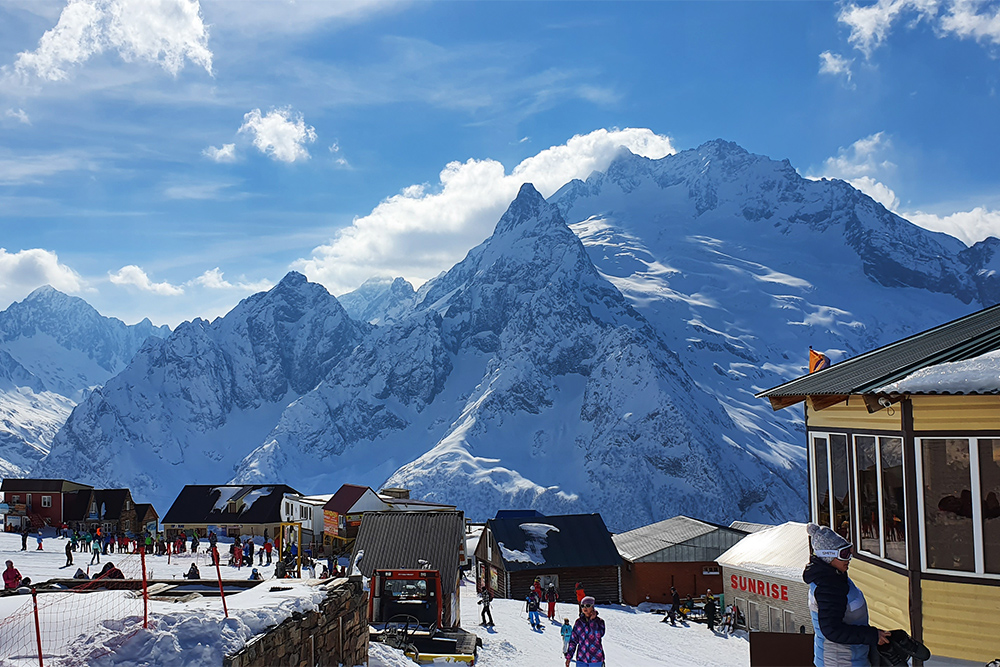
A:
(37, 502)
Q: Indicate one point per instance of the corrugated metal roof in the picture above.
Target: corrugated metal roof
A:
(579, 540)
(641, 542)
(780, 551)
(400, 540)
(750, 527)
(958, 340)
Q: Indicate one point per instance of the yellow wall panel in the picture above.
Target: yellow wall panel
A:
(947, 413)
(886, 593)
(961, 620)
(852, 413)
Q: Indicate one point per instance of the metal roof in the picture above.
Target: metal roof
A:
(641, 542)
(15, 485)
(781, 551)
(196, 504)
(749, 526)
(401, 540)
(579, 540)
(958, 340)
(346, 496)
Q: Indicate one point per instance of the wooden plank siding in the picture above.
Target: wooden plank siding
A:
(852, 414)
(956, 413)
(886, 593)
(599, 582)
(961, 620)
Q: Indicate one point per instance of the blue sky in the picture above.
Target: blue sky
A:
(168, 158)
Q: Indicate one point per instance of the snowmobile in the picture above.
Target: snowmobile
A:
(405, 612)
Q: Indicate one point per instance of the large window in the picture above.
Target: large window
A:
(831, 484)
(961, 504)
(880, 496)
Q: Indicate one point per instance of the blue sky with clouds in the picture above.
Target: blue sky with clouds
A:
(169, 158)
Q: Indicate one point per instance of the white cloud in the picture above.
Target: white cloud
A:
(136, 277)
(167, 32)
(225, 154)
(19, 115)
(212, 279)
(18, 169)
(425, 229)
(835, 64)
(861, 164)
(967, 226)
(870, 25)
(23, 271)
(281, 134)
(878, 191)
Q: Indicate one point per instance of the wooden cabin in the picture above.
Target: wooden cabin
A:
(904, 460)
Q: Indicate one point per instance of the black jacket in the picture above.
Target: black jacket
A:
(831, 599)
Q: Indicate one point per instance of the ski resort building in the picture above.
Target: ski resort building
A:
(342, 513)
(762, 576)
(37, 502)
(904, 460)
(678, 552)
(564, 550)
(231, 510)
(416, 541)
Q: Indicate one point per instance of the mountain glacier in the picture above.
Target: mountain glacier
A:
(599, 352)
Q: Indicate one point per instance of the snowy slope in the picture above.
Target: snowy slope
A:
(524, 378)
(190, 405)
(53, 349)
(379, 300)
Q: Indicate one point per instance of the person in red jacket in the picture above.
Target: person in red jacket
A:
(551, 595)
(579, 593)
(11, 577)
(267, 551)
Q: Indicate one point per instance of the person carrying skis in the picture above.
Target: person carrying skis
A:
(11, 577)
(533, 606)
(551, 595)
(485, 598)
(587, 637)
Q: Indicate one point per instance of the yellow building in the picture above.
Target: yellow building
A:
(904, 460)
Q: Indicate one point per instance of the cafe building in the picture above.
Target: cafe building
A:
(904, 461)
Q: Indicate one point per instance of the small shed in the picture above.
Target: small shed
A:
(564, 550)
(763, 577)
(677, 552)
(414, 541)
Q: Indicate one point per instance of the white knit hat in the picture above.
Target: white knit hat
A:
(826, 544)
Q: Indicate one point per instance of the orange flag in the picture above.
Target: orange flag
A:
(817, 361)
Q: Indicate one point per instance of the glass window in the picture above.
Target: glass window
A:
(948, 504)
(774, 620)
(868, 507)
(46, 501)
(753, 617)
(822, 476)
(989, 490)
(841, 486)
(789, 619)
(893, 500)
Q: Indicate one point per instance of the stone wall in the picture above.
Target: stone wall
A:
(334, 634)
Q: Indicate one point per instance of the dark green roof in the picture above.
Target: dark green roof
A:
(965, 338)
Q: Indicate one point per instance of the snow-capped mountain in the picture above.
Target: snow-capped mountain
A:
(191, 405)
(379, 300)
(599, 352)
(523, 377)
(54, 348)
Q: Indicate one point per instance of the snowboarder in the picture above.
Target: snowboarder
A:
(551, 595)
(485, 598)
(675, 607)
(193, 572)
(586, 639)
(533, 606)
(566, 631)
(11, 577)
(69, 554)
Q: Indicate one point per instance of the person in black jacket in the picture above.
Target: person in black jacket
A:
(675, 606)
(838, 607)
(711, 611)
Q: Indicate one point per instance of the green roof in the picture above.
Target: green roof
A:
(965, 338)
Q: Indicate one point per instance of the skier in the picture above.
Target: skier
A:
(536, 586)
(532, 606)
(587, 635)
(485, 598)
(838, 607)
(566, 631)
(11, 577)
(551, 595)
(212, 539)
(39, 538)
(69, 554)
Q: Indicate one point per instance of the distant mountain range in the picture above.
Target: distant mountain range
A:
(599, 352)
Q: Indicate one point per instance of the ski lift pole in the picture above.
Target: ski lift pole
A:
(145, 589)
(218, 572)
(38, 629)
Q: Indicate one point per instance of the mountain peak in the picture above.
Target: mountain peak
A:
(293, 279)
(527, 206)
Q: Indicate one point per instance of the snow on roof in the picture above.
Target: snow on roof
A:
(781, 551)
(536, 539)
(250, 498)
(979, 375)
(226, 494)
(750, 526)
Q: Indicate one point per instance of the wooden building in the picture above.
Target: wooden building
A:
(146, 517)
(904, 460)
(415, 541)
(230, 510)
(38, 502)
(677, 552)
(564, 550)
(342, 513)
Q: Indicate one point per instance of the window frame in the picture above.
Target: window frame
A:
(813, 495)
(46, 502)
(856, 527)
(975, 487)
